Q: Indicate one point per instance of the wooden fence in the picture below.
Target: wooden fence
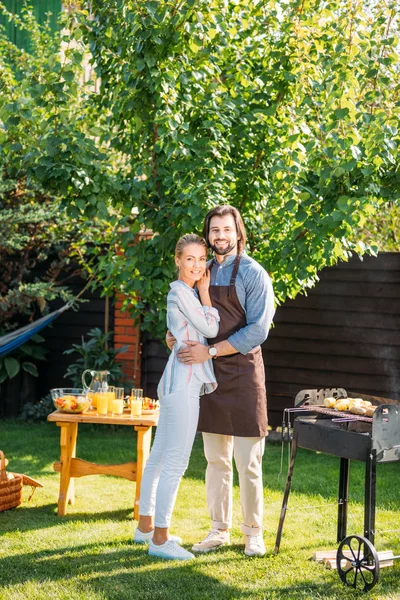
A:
(344, 333)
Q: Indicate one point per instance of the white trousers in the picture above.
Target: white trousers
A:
(170, 453)
(248, 453)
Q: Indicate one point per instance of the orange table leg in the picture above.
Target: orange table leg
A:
(143, 451)
(68, 435)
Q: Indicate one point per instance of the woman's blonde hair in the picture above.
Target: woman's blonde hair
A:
(185, 240)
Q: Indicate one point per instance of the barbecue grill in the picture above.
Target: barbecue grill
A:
(350, 437)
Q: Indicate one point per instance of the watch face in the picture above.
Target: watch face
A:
(212, 351)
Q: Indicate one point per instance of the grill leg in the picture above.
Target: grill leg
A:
(370, 496)
(343, 498)
(286, 494)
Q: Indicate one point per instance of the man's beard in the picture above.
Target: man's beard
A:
(223, 251)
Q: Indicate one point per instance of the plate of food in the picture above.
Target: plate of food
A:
(149, 406)
(356, 406)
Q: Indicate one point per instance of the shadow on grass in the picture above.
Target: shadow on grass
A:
(42, 517)
(124, 571)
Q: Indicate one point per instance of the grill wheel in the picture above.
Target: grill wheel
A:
(357, 563)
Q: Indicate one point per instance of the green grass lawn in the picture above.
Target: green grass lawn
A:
(88, 554)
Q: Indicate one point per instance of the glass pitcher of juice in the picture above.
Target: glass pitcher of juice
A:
(98, 384)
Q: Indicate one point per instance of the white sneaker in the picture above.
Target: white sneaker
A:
(254, 545)
(213, 540)
(144, 538)
(170, 550)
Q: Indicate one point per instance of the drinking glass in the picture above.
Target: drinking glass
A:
(111, 397)
(102, 403)
(118, 406)
(137, 393)
(136, 402)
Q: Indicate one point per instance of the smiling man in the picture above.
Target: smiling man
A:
(233, 418)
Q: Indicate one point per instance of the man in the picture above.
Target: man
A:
(233, 418)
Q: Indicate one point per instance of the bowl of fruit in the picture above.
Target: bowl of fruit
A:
(70, 400)
(149, 406)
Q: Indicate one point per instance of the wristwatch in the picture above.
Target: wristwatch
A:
(212, 351)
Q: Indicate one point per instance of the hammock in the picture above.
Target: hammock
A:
(16, 338)
(13, 340)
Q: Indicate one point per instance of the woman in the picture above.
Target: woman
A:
(179, 391)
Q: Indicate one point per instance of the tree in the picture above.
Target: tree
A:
(287, 110)
(49, 153)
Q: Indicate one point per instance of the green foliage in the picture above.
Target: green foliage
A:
(383, 228)
(96, 355)
(49, 134)
(36, 244)
(49, 156)
(24, 358)
(37, 411)
(287, 110)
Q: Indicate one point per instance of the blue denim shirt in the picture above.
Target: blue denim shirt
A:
(255, 294)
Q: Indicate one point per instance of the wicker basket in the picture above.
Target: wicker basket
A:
(10, 489)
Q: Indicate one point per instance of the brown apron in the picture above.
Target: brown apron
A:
(239, 404)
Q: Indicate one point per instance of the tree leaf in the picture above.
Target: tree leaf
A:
(30, 368)
(12, 366)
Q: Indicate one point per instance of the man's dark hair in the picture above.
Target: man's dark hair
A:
(221, 211)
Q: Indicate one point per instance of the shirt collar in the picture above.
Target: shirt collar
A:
(178, 283)
(229, 260)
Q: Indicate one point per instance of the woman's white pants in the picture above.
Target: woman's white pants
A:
(170, 453)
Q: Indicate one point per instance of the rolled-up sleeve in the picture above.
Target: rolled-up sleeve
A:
(260, 310)
(203, 318)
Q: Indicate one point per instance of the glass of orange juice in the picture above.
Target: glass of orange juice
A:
(102, 403)
(118, 407)
(92, 395)
(136, 402)
(118, 402)
(111, 397)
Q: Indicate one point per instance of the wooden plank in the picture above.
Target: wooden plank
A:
(384, 261)
(354, 335)
(328, 348)
(143, 452)
(363, 275)
(322, 555)
(288, 390)
(359, 304)
(385, 558)
(154, 348)
(82, 468)
(93, 417)
(343, 289)
(339, 364)
(376, 385)
(337, 319)
(152, 379)
(155, 365)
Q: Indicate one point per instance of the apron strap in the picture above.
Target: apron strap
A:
(234, 273)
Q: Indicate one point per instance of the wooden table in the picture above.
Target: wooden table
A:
(71, 467)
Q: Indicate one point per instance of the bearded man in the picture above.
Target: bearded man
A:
(233, 418)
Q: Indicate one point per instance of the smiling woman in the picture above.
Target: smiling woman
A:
(191, 259)
(179, 392)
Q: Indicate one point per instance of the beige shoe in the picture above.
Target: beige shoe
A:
(254, 545)
(213, 540)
